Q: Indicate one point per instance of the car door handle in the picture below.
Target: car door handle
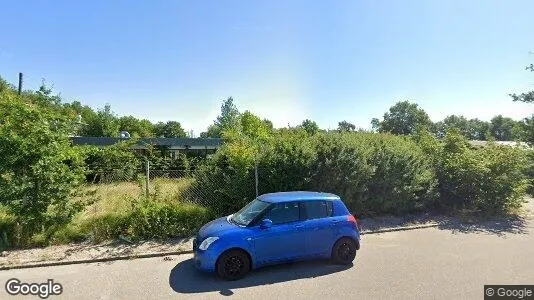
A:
(335, 222)
(299, 227)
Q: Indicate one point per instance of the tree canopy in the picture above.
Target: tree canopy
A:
(170, 129)
(527, 97)
(345, 126)
(404, 118)
(310, 126)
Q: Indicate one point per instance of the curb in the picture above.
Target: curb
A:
(96, 260)
(403, 228)
(168, 253)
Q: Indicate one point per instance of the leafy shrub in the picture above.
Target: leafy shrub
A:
(285, 163)
(529, 171)
(150, 219)
(7, 227)
(69, 233)
(373, 173)
(38, 168)
(113, 163)
(343, 167)
(488, 179)
(105, 226)
(158, 220)
(403, 179)
(226, 182)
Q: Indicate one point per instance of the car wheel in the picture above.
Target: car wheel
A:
(233, 265)
(344, 251)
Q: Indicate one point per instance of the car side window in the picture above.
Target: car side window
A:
(285, 212)
(318, 209)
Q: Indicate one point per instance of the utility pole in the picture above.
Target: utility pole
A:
(20, 83)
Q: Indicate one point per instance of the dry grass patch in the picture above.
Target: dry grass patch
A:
(122, 197)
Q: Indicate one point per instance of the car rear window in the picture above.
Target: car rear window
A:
(318, 209)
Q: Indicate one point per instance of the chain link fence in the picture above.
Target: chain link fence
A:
(166, 185)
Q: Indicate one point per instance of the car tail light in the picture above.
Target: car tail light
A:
(353, 219)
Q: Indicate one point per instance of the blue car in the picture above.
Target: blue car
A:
(278, 228)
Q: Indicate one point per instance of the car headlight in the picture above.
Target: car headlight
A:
(207, 242)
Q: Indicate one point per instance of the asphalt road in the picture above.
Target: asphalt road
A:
(452, 262)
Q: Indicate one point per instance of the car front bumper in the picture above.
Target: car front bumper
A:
(204, 260)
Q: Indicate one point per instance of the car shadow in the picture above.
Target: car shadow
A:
(185, 279)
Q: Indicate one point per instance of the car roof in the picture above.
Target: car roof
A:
(296, 196)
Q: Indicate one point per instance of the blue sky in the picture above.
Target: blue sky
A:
(283, 60)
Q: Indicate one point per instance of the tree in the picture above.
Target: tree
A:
(39, 169)
(268, 124)
(80, 113)
(375, 124)
(527, 125)
(345, 126)
(403, 118)
(310, 126)
(460, 123)
(229, 118)
(171, 129)
(524, 130)
(254, 127)
(527, 97)
(145, 128)
(501, 128)
(478, 129)
(136, 127)
(104, 123)
(529, 129)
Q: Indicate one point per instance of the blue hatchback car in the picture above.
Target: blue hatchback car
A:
(278, 228)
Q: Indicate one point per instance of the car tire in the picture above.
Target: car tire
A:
(344, 251)
(233, 265)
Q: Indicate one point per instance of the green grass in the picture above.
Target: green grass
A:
(123, 197)
(117, 209)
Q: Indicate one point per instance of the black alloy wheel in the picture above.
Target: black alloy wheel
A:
(233, 265)
(344, 251)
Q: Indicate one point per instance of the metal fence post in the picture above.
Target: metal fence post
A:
(147, 178)
(256, 176)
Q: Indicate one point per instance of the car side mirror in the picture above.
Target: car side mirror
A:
(266, 223)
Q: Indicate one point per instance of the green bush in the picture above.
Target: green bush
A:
(373, 173)
(38, 167)
(529, 171)
(7, 228)
(403, 178)
(285, 163)
(148, 220)
(105, 226)
(225, 182)
(112, 163)
(68, 234)
(158, 220)
(487, 179)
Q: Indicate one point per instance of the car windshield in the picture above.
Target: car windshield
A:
(248, 213)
